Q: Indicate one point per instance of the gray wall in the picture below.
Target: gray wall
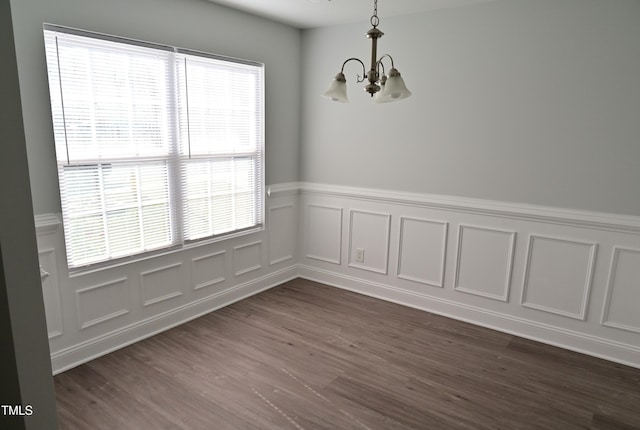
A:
(194, 24)
(532, 101)
(25, 364)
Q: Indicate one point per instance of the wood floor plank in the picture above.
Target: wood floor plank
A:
(308, 356)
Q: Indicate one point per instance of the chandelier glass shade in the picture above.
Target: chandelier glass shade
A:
(383, 88)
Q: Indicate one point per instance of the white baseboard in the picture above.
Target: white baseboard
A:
(68, 358)
(579, 342)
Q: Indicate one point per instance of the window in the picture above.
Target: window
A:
(156, 146)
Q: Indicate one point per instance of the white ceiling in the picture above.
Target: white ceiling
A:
(322, 13)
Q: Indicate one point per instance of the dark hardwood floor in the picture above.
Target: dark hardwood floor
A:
(308, 356)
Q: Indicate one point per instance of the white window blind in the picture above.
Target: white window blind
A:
(223, 128)
(155, 145)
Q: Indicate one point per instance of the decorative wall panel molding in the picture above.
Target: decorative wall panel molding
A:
(412, 229)
(208, 270)
(422, 250)
(484, 261)
(161, 284)
(323, 233)
(51, 292)
(622, 304)
(247, 258)
(369, 241)
(558, 275)
(99, 303)
(500, 249)
(282, 243)
(96, 311)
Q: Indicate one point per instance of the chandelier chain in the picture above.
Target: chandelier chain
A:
(374, 18)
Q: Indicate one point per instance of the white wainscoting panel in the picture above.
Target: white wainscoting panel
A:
(407, 245)
(501, 251)
(99, 303)
(282, 243)
(622, 305)
(247, 258)
(161, 284)
(422, 251)
(51, 292)
(558, 275)
(208, 270)
(484, 261)
(323, 233)
(97, 311)
(369, 231)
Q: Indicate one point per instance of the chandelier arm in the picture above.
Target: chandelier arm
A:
(383, 57)
(358, 78)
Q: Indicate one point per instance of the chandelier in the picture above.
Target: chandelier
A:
(383, 88)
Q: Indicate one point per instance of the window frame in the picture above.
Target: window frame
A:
(175, 158)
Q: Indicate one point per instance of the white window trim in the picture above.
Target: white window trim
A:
(176, 210)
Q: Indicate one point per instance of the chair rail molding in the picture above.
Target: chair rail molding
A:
(47, 223)
(551, 215)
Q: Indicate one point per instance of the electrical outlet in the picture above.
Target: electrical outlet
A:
(360, 255)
